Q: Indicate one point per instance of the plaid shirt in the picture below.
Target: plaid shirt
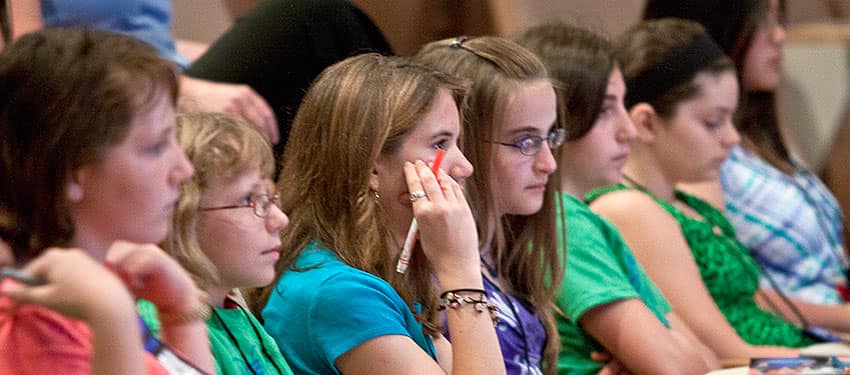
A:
(791, 223)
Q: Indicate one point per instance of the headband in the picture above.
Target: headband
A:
(679, 66)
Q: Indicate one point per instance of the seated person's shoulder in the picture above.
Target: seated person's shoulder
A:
(330, 269)
(624, 202)
(324, 279)
(632, 207)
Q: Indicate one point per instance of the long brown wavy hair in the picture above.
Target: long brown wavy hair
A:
(356, 111)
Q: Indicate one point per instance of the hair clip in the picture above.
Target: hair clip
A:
(456, 43)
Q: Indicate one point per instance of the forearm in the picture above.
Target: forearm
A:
(664, 356)
(691, 357)
(708, 357)
(834, 317)
(677, 326)
(475, 347)
(727, 345)
(116, 341)
(622, 328)
(191, 341)
(667, 359)
(772, 351)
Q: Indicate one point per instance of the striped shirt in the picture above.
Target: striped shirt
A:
(791, 224)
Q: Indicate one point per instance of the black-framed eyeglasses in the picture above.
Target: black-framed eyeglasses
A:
(261, 203)
(530, 145)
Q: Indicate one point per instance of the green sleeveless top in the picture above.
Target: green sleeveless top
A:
(727, 270)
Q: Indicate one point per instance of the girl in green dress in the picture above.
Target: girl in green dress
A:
(681, 92)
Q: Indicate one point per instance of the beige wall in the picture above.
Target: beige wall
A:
(204, 20)
(608, 17)
(813, 100)
(199, 20)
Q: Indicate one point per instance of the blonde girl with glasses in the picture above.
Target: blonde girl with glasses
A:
(510, 135)
(226, 233)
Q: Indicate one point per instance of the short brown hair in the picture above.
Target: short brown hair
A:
(67, 96)
(651, 43)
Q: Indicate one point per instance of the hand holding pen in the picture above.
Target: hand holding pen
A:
(410, 239)
(446, 227)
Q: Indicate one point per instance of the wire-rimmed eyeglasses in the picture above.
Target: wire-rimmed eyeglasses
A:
(261, 203)
(530, 145)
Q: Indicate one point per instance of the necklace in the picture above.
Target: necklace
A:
(641, 187)
(714, 227)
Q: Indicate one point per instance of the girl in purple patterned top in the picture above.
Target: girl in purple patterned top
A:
(509, 136)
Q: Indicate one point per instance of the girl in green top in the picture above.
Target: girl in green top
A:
(681, 93)
(225, 231)
(603, 283)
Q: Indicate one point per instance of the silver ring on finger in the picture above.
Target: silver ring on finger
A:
(417, 194)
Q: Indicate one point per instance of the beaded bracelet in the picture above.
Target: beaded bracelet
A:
(454, 299)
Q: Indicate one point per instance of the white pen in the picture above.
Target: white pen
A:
(407, 248)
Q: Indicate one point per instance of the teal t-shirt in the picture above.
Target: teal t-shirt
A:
(600, 269)
(237, 341)
(326, 308)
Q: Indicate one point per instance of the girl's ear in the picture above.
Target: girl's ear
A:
(378, 168)
(645, 120)
(373, 180)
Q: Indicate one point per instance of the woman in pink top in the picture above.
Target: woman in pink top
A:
(89, 160)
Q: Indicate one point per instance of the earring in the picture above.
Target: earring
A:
(74, 192)
(377, 196)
